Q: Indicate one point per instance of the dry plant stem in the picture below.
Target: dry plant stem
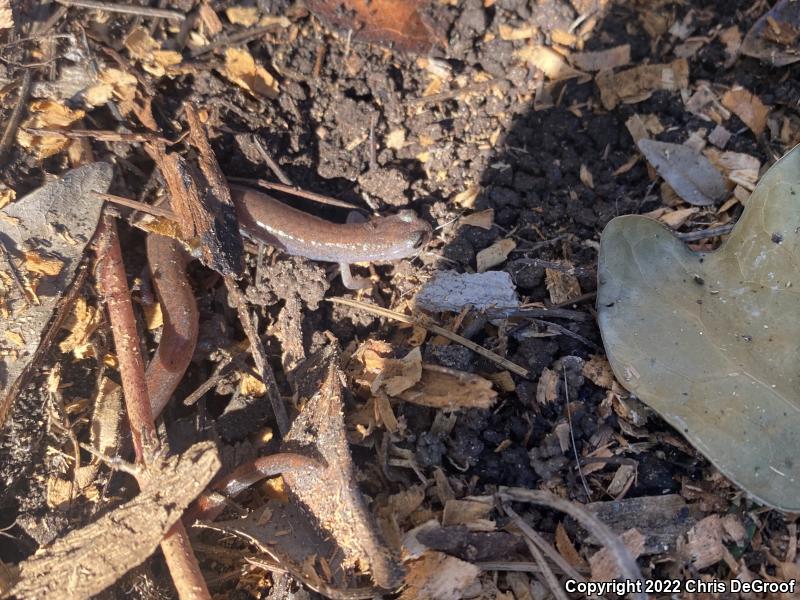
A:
(10, 133)
(182, 563)
(627, 565)
(259, 356)
(156, 211)
(295, 191)
(547, 572)
(429, 325)
(128, 9)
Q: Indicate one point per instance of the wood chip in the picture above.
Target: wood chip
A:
(748, 107)
(562, 286)
(550, 62)
(638, 83)
(483, 219)
(604, 565)
(452, 291)
(450, 389)
(86, 561)
(602, 60)
(241, 69)
(437, 575)
(494, 255)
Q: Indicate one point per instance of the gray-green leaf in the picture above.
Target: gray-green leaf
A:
(712, 340)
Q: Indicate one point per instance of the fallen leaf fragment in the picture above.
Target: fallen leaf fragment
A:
(768, 37)
(483, 219)
(690, 174)
(437, 575)
(394, 23)
(704, 338)
(741, 169)
(47, 114)
(394, 375)
(562, 286)
(241, 69)
(602, 60)
(6, 16)
(605, 566)
(242, 15)
(466, 199)
(86, 561)
(638, 83)
(494, 255)
(598, 371)
(748, 107)
(450, 389)
(550, 62)
(147, 50)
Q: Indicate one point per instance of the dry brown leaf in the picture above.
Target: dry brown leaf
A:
(250, 385)
(467, 512)
(241, 69)
(704, 545)
(676, 218)
(7, 195)
(41, 264)
(566, 548)
(602, 60)
(741, 169)
(748, 107)
(242, 15)
(550, 62)
(466, 199)
(483, 219)
(82, 321)
(604, 565)
(111, 83)
(547, 387)
(598, 371)
(638, 83)
(395, 139)
(6, 16)
(437, 575)
(47, 114)
(586, 176)
(562, 286)
(494, 255)
(147, 50)
(511, 34)
(445, 388)
(209, 19)
(395, 23)
(394, 375)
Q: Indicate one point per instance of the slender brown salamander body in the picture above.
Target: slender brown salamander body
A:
(168, 260)
(294, 231)
(288, 229)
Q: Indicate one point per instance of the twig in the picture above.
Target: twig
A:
(695, 236)
(569, 333)
(572, 435)
(182, 563)
(100, 135)
(276, 168)
(532, 312)
(295, 191)
(16, 277)
(235, 39)
(128, 9)
(547, 572)
(467, 89)
(10, 133)
(156, 211)
(628, 567)
(427, 323)
(259, 356)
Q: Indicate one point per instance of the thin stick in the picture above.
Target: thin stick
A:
(259, 356)
(547, 572)
(276, 168)
(127, 9)
(100, 135)
(696, 236)
(235, 39)
(467, 89)
(156, 211)
(572, 435)
(295, 191)
(628, 567)
(182, 563)
(427, 323)
(10, 133)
